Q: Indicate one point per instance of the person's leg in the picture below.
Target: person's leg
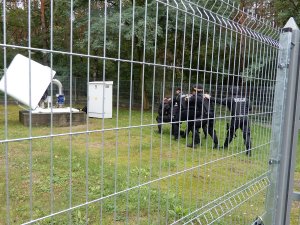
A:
(175, 129)
(205, 129)
(246, 135)
(192, 122)
(213, 133)
(196, 138)
(175, 124)
(204, 126)
(194, 126)
(159, 120)
(188, 115)
(230, 132)
(178, 118)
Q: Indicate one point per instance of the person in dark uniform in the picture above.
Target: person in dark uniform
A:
(191, 104)
(164, 113)
(239, 105)
(179, 114)
(193, 114)
(206, 110)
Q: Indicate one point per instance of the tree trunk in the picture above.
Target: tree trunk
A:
(145, 96)
(146, 104)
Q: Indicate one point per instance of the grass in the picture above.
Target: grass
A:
(295, 210)
(139, 175)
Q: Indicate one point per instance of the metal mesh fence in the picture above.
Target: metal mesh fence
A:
(121, 170)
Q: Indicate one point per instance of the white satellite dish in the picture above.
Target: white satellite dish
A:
(24, 78)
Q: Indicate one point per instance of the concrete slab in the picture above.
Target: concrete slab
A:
(60, 119)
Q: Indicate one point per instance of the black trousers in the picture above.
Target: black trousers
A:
(184, 115)
(160, 119)
(208, 127)
(236, 123)
(190, 128)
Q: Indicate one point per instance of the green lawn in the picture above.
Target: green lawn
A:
(295, 211)
(139, 175)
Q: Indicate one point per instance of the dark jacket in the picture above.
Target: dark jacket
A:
(179, 103)
(164, 108)
(195, 102)
(238, 105)
(203, 105)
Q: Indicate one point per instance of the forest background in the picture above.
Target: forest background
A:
(78, 29)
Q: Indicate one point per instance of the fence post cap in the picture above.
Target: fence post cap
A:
(291, 23)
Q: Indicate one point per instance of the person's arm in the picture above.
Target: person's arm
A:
(221, 101)
(167, 109)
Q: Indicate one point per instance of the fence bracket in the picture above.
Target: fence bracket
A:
(258, 221)
(274, 161)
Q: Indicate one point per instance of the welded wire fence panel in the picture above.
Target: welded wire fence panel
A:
(198, 162)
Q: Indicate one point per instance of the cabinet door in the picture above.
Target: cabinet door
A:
(107, 101)
(100, 100)
(96, 100)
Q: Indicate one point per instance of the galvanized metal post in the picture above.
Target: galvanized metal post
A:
(281, 153)
(295, 117)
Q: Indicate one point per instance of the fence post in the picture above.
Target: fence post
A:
(281, 162)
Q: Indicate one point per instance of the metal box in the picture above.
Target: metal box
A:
(100, 99)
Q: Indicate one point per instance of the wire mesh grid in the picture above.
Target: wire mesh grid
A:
(121, 169)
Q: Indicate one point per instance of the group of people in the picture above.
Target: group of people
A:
(198, 110)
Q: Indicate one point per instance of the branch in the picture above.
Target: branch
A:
(293, 3)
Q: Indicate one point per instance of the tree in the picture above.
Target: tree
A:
(277, 11)
(111, 43)
(286, 9)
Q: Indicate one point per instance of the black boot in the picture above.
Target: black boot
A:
(216, 146)
(182, 134)
(224, 146)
